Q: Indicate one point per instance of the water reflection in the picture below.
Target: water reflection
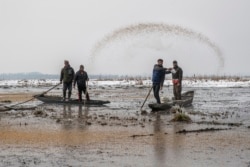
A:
(167, 147)
(74, 117)
(67, 117)
(159, 139)
(178, 142)
(80, 112)
(67, 113)
(82, 117)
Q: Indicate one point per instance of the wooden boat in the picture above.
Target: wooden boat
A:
(59, 100)
(187, 100)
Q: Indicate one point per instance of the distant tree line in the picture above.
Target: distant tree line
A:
(31, 75)
(40, 76)
(37, 75)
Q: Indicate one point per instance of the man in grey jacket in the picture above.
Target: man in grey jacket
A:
(177, 74)
(67, 76)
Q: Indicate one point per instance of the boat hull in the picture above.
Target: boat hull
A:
(59, 100)
(187, 100)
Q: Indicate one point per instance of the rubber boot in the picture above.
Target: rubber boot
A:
(80, 97)
(69, 95)
(64, 95)
(87, 96)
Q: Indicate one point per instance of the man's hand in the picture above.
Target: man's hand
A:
(169, 69)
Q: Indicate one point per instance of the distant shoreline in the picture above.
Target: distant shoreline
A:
(41, 76)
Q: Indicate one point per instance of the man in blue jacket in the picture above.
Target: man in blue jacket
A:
(158, 78)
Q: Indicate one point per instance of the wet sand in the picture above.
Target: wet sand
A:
(117, 135)
(15, 97)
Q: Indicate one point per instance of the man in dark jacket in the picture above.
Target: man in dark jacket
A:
(81, 77)
(158, 78)
(177, 80)
(67, 76)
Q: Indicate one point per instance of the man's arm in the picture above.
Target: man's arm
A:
(162, 78)
(168, 71)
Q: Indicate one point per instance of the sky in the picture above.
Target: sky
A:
(37, 36)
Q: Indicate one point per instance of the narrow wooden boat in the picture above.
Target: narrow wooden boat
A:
(59, 100)
(186, 100)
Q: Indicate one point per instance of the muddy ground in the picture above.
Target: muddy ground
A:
(118, 135)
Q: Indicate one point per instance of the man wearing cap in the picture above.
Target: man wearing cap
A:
(81, 77)
(177, 80)
(158, 78)
(67, 76)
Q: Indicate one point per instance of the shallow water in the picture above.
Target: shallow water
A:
(103, 136)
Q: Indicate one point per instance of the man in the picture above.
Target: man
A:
(81, 77)
(158, 78)
(67, 76)
(177, 80)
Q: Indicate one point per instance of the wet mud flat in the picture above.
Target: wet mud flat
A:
(118, 135)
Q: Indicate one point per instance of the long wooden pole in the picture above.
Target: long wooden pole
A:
(147, 97)
(33, 97)
(86, 94)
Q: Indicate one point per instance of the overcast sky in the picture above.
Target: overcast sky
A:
(39, 35)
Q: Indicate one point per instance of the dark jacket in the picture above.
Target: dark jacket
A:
(67, 74)
(178, 74)
(159, 74)
(81, 78)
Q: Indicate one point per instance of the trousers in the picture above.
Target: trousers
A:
(177, 91)
(156, 89)
(67, 86)
(80, 90)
